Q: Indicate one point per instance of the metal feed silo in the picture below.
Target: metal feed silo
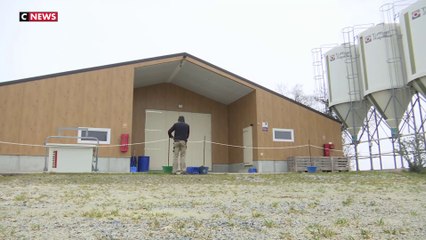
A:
(413, 28)
(383, 70)
(345, 93)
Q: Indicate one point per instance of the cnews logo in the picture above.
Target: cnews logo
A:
(38, 16)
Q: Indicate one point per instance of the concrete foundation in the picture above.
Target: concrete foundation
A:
(271, 166)
(21, 164)
(119, 165)
(35, 164)
(261, 166)
(234, 168)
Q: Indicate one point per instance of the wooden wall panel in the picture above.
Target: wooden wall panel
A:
(37, 117)
(10, 114)
(123, 94)
(309, 127)
(167, 97)
(36, 109)
(242, 113)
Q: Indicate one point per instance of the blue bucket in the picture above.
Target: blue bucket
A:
(311, 169)
(193, 170)
(133, 169)
(252, 170)
(143, 164)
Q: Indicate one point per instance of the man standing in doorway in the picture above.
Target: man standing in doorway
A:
(181, 130)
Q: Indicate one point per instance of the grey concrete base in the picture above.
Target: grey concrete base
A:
(33, 164)
(30, 164)
(236, 167)
(261, 166)
(271, 166)
(21, 164)
(114, 165)
(220, 168)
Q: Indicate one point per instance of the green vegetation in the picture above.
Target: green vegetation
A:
(21, 197)
(102, 213)
(347, 205)
(269, 223)
(275, 204)
(342, 222)
(348, 201)
(412, 149)
(319, 231)
(380, 222)
(256, 214)
(366, 234)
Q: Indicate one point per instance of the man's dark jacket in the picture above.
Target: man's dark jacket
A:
(181, 130)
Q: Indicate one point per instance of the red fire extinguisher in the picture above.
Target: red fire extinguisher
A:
(124, 142)
(327, 149)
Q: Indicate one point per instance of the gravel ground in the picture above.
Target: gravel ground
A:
(367, 205)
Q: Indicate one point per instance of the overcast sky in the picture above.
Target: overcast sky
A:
(268, 42)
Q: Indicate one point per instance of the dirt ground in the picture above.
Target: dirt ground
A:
(366, 205)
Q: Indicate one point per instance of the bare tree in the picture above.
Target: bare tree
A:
(315, 101)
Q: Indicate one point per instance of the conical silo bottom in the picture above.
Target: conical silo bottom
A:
(392, 105)
(352, 114)
(420, 85)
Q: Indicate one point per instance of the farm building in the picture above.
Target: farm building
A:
(136, 102)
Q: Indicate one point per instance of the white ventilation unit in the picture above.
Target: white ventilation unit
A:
(70, 158)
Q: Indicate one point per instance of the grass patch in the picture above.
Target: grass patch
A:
(414, 213)
(256, 214)
(342, 222)
(179, 225)
(35, 227)
(380, 222)
(394, 231)
(366, 234)
(275, 204)
(294, 210)
(319, 231)
(21, 197)
(101, 213)
(94, 213)
(313, 204)
(348, 201)
(269, 223)
(295, 206)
